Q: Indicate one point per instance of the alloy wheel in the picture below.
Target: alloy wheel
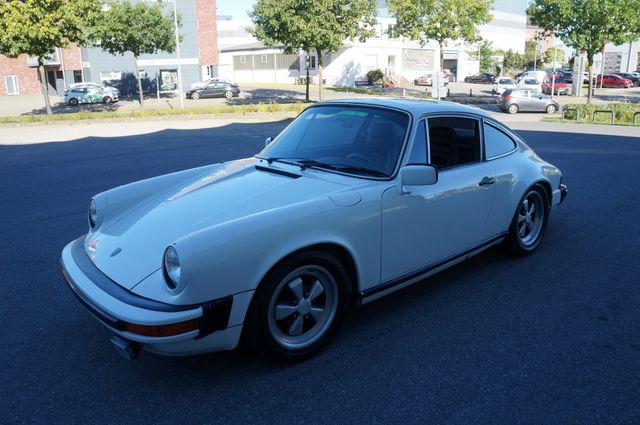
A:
(531, 216)
(303, 307)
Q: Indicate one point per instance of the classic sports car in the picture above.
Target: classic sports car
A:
(353, 200)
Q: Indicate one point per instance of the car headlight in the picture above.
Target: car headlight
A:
(171, 265)
(93, 213)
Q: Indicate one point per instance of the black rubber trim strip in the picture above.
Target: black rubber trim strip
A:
(103, 282)
(215, 316)
(278, 171)
(412, 275)
(101, 316)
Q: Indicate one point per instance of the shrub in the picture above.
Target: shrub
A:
(375, 76)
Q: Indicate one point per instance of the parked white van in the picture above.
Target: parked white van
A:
(537, 75)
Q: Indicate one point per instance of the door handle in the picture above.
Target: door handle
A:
(486, 181)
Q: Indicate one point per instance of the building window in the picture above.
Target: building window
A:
(370, 62)
(312, 62)
(77, 76)
(263, 58)
(391, 31)
(11, 82)
(110, 75)
(243, 59)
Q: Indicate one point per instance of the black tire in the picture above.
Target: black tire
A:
(195, 96)
(73, 101)
(519, 243)
(267, 333)
(107, 100)
(228, 94)
(551, 109)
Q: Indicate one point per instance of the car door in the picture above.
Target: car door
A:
(211, 90)
(431, 224)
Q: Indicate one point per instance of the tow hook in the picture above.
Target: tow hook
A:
(127, 349)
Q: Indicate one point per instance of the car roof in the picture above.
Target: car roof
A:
(415, 107)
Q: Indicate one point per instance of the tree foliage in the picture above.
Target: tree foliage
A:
(139, 28)
(440, 20)
(512, 60)
(37, 27)
(313, 25)
(588, 24)
(554, 54)
(532, 55)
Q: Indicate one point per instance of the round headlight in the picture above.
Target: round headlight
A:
(93, 213)
(171, 267)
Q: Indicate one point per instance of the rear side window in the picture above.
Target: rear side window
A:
(496, 142)
(453, 141)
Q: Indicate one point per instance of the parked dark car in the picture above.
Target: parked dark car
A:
(215, 89)
(613, 80)
(525, 100)
(481, 78)
(635, 79)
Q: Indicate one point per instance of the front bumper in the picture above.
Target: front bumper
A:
(159, 327)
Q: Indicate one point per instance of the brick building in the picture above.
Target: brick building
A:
(198, 58)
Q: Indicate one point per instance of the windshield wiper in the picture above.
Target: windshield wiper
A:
(300, 162)
(361, 170)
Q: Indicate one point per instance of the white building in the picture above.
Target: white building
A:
(623, 58)
(242, 58)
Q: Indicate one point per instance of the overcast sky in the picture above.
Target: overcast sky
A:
(236, 8)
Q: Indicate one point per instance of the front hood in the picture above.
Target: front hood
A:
(131, 247)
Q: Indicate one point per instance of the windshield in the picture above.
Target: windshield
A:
(352, 139)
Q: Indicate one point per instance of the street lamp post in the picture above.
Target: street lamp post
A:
(175, 22)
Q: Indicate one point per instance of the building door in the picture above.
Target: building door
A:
(51, 82)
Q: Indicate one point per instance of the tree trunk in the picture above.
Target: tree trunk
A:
(135, 61)
(307, 59)
(590, 65)
(44, 86)
(319, 53)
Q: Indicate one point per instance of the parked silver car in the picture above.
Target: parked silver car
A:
(90, 93)
(525, 100)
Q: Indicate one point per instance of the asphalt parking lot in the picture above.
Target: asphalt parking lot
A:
(551, 338)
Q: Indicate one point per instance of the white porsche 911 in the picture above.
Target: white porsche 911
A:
(353, 200)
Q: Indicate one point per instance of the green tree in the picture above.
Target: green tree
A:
(512, 60)
(486, 56)
(532, 55)
(37, 27)
(139, 28)
(554, 54)
(313, 25)
(440, 20)
(588, 24)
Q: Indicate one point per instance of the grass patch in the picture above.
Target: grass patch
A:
(623, 114)
(144, 113)
(356, 90)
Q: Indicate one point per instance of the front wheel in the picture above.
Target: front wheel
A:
(299, 306)
(195, 96)
(228, 94)
(529, 222)
(73, 102)
(551, 109)
(107, 100)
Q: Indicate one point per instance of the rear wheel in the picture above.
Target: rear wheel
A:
(513, 108)
(529, 222)
(228, 94)
(299, 306)
(551, 109)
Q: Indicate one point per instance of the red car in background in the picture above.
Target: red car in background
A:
(613, 80)
(559, 87)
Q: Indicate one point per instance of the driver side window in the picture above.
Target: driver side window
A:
(453, 141)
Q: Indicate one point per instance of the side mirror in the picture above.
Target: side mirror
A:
(267, 141)
(417, 175)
